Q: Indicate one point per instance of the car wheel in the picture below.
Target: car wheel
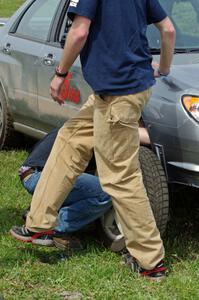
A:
(157, 190)
(6, 127)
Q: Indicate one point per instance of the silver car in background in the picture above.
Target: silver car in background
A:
(31, 46)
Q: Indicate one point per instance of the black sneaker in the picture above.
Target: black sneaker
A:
(22, 234)
(156, 274)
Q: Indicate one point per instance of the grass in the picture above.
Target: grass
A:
(8, 7)
(30, 272)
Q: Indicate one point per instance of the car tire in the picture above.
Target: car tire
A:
(7, 134)
(157, 190)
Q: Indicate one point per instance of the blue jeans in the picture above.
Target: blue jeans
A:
(85, 203)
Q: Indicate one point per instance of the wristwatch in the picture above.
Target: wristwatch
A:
(59, 74)
(161, 74)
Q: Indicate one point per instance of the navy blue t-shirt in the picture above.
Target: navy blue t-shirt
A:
(116, 59)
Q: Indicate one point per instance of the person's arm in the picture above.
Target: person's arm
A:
(168, 34)
(75, 41)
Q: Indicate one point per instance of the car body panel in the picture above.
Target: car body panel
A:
(169, 123)
(52, 113)
(20, 66)
(26, 72)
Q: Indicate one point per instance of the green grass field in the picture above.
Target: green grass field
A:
(29, 272)
(7, 7)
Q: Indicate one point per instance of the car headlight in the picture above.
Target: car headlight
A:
(191, 104)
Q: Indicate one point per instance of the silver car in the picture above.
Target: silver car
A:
(31, 44)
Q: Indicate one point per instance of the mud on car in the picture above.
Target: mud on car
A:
(31, 44)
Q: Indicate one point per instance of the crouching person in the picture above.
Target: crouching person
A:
(85, 203)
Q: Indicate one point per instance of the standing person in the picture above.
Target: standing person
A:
(84, 204)
(110, 37)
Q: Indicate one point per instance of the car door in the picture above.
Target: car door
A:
(76, 89)
(24, 44)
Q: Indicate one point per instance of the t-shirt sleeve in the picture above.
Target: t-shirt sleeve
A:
(84, 8)
(155, 12)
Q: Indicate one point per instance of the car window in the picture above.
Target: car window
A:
(36, 22)
(185, 16)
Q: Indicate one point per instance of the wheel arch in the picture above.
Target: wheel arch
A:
(7, 133)
(3, 90)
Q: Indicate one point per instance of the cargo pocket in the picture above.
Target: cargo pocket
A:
(123, 120)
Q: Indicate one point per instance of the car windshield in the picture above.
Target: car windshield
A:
(185, 16)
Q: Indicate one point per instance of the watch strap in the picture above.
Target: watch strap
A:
(162, 74)
(59, 74)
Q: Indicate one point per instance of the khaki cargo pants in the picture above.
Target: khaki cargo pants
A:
(110, 126)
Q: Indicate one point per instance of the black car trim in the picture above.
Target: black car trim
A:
(17, 21)
(60, 17)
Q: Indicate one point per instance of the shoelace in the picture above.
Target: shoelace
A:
(154, 271)
(43, 233)
(47, 233)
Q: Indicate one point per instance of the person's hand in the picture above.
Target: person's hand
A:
(55, 88)
(156, 73)
(155, 67)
